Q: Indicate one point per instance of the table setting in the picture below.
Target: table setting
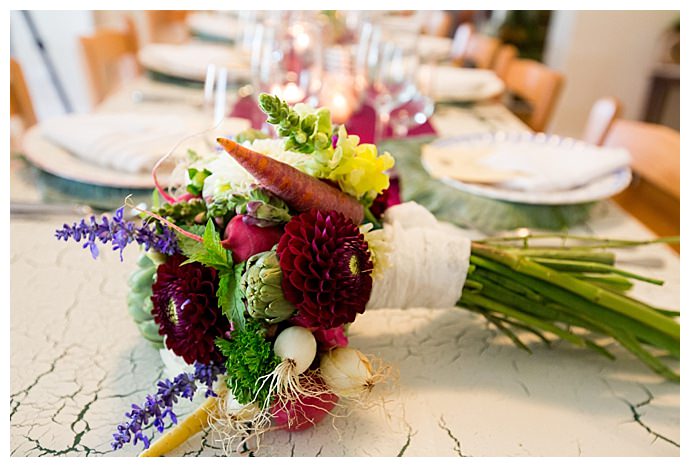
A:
(282, 242)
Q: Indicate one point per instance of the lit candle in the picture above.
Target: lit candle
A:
(340, 107)
(290, 92)
(301, 38)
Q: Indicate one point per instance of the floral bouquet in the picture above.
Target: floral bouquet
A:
(254, 267)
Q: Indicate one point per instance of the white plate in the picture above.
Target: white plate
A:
(189, 61)
(599, 189)
(455, 84)
(53, 159)
(221, 27)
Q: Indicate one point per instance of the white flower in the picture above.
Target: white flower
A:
(229, 176)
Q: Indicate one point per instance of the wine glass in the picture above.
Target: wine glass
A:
(393, 64)
(411, 114)
(287, 60)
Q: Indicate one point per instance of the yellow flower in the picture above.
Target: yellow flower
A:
(358, 168)
(379, 248)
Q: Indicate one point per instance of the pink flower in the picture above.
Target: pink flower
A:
(246, 240)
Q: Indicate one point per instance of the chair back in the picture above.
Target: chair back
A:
(167, 26)
(655, 152)
(437, 23)
(537, 85)
(481, 51)
(601, 117)
(20, 99)
(505, 54)
(110, 56)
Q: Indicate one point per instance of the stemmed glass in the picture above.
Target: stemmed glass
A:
(388, 63)
(287, 59)
(411, 114)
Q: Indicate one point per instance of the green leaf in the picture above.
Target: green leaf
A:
(217, 256)
(155, 199)
(230, 295)
(196, 177)
(190, 248)
(209, 253)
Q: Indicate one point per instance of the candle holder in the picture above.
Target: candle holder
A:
(340, 92)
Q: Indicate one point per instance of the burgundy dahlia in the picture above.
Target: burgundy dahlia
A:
(326, 268)
(186, 309)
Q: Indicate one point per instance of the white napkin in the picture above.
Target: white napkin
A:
(190, 60)
(460, 84)
(434, 47)
(546, 168)
(128, 142)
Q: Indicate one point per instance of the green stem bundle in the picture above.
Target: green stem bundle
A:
(555, 290)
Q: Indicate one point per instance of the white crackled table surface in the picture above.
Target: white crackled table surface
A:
(78, 362)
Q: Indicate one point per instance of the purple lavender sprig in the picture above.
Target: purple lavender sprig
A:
(120, 233)
(156, 408)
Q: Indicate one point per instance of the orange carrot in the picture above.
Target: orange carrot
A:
(299, 190)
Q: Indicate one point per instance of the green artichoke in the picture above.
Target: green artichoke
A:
(139, 301)
(261, 284)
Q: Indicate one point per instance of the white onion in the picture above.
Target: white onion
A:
(346, 371)
(240, 411)
(298, 345)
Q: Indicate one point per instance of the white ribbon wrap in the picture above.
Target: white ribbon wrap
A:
(427, 264)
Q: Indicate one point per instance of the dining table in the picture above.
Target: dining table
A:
(460, 387)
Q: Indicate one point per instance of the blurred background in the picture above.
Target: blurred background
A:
(98, 97)
(622, 53)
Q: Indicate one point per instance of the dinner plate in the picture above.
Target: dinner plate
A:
(598, 189)
(447, 83)
(55, 160)
(190, 61)
(211, 26)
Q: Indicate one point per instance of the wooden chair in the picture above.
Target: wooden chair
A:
(506, 54)
(654, 195)
(20, 99)
(22, 115)
(481, 51)
(536, 85)
(601, 117)
(110, 56)
(438, 23)
(167, 26)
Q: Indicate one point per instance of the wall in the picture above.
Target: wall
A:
(603, 53)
